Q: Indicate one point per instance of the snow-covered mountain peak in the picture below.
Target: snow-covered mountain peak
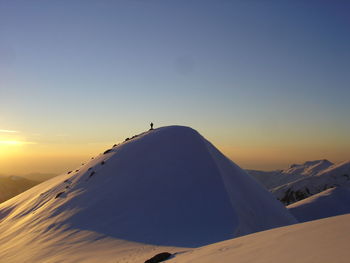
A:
(343, 167)
(318, 162)
(303, 180)
(167, 186)
(321, 179)
(308, 168)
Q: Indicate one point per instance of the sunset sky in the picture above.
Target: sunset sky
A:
(267, 82)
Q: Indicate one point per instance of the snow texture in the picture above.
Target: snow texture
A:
(325, 240)
(168, 187)
(333, 176)
(273, 179)
(303, 180)
(331, 202)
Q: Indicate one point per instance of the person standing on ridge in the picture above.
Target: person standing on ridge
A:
(151, 126)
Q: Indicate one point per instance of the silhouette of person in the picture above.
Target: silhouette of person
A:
(151, 125)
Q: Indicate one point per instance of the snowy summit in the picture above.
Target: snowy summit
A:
(166, 187)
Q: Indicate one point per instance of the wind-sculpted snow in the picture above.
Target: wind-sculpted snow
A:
(335, 175)
(300, 181)
(320, 241)
(331, 202)
(273, 179)
(308, 168)
(165, 187)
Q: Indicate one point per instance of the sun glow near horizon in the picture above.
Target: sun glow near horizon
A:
(12, 142)
(9, 148)
(265, 88)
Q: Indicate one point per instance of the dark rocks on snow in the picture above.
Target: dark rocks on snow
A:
(308, 191)
(109, 150)
(59, 194)
(293, 196)
(159, 258)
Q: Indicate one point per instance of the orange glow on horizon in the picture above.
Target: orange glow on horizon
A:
(12, 142)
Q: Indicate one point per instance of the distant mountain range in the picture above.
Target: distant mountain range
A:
(39, 177)
(300, 181)
(12, 185)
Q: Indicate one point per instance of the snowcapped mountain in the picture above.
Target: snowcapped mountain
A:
(335, 175)
(332, 202)
(308, 168)
(300, 181)
(165, 187)
(273, 179)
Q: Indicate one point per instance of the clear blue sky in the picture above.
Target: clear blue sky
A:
(258, 78)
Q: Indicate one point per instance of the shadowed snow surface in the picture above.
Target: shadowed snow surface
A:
(166, 187)
(303, 180)
(331, 202)
(324, 240)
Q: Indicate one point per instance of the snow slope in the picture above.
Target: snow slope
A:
(166, 187)
(335, 175)
(325, 240)
(331, 202)
(308, 168)
(300, 181)
(273, 179)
